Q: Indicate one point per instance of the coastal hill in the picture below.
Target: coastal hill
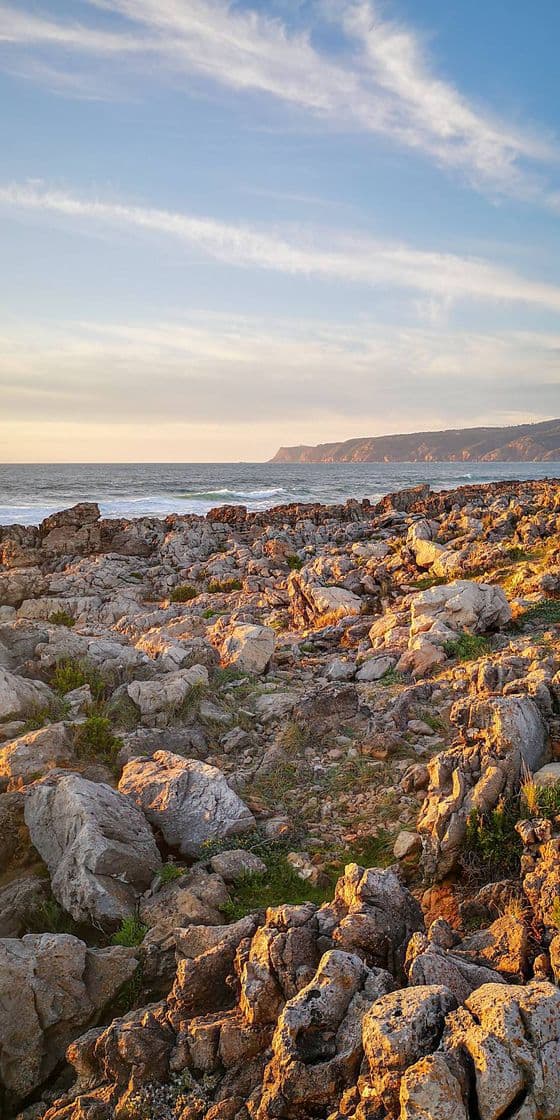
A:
(523, 443)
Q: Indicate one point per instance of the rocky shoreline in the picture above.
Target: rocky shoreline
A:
(280, 811)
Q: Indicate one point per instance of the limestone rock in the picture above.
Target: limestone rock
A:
(96, 843)
(398, 1030)
(249, 648)
(473, 776)
(194, 899)
(427, 963)
(312, 601)
(317, 1045)
(160, 701)
(21, 901)
(374, 915)
(236, 864)
(33, 754)
(20, 697)
(375, 668)
(432, 1090)
(186, 800)
(460, 605)
(511, 1036)
(51, 987)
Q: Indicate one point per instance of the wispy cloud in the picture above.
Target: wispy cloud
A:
(335, 379)
(335, 256)
(381, 81)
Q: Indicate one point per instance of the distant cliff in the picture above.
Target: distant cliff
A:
(525, 443)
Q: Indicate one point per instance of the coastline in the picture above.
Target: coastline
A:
(240, 754)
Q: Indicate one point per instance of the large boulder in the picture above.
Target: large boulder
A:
(52, 987)
(440, 613)
(21, 902)
(188, 801)
(18, 584)
(20, 697)
(372, 914)
(460, 605)
(249, 648)
(72, 531)
(428, 963)
(97, 845)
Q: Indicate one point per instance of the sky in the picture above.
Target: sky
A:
(227, 226)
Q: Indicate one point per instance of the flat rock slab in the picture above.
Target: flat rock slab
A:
(187, 800)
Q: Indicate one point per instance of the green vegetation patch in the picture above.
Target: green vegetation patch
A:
(130, 933)
(95, 740)
(70, 674)
(224, 585)
(492, 846)
(183, 593)
(547, 612)
(295, 563)
(170, 872)
(62, 618)
(467, 647)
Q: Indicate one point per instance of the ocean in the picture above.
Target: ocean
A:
(30, 492)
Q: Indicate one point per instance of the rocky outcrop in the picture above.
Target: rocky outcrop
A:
(317, 1044)
(505, 735)
(349, 708)
(511, 1035)
(439, 614)
(186, 800)
(99, 849)
(51, 987)
(312, 602)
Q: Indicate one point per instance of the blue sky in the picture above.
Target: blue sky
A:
(227, 226)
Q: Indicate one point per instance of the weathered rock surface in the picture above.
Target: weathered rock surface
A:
(161, 701)
(33, 754)
(249, 648)
(51, 987)
(312, 601)
(473, 776)
(20, 697)
(98, 847)
(186, 800)
(293, 1012)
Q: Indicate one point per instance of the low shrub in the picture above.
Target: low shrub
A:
(130, 933)
(95, 740)
(70, 674)
(62, 618)
(547, 612)
(295, 563)
(224, 585)
(467, 647)
(492, 846)
(170, 872)
(183, 593)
